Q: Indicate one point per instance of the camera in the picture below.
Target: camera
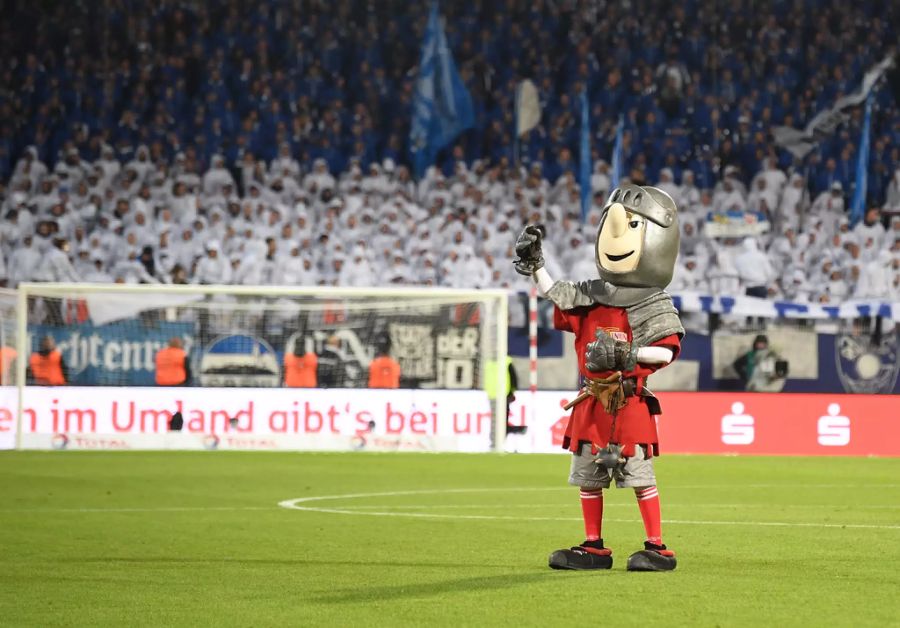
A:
(781, 368)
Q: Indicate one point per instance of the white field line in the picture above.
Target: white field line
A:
(294, 504)
(392, 510)
(462, 490)
(630, 504)
(427, 515)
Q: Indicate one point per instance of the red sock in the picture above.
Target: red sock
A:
(648, 503)
(592, 511)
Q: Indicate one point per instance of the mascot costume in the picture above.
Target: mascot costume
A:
(625, 327)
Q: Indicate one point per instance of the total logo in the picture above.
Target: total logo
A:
(739, 427)
(59, 441)
(211, 442)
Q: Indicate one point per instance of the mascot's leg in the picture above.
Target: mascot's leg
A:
(655, 556)
(591, 478)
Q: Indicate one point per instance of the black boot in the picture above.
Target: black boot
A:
(588, 555)
(652, 558)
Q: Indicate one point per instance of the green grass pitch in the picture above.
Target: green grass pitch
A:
(199, 539)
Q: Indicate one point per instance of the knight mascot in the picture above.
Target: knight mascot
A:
(625, 327)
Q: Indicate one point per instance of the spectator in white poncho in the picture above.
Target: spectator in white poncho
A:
(600, 180)
(97, 273)
(667, 184)
(892, 196)
(213, 268)
(763, 198)
(836, 285)
(795, 287)
(870, 227)
(688, 194)
(217, 177)
(830, 204)
(55, 265)
(875, 278)
(723, 274)
(358, 272)
(729, 197)
(688, 276)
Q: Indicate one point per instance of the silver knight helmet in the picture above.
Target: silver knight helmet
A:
(637, 242)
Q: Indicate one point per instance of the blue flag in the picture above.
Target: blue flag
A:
(858, 204)
(616, 174)
(584, 162)
(442, 107)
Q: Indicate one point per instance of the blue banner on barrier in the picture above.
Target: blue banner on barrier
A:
(766, 308)
(120, 354)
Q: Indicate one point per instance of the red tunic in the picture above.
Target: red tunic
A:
(589, 421)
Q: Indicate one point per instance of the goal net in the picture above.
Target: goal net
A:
(238, 339)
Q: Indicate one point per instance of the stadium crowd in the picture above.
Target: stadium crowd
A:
(265, 143)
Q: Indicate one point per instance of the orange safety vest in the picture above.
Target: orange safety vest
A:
(170, 367)
(47, 369)
(300, 370)
(384, 372)
(7, 355)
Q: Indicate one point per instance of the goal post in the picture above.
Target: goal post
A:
(237, 337)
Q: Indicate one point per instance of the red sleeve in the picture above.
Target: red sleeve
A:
(669, 342)
(564, 321)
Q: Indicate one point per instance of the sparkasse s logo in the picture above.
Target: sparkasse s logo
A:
(738, 427)
(833, 428)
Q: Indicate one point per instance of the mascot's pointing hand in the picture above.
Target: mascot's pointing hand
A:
(608, 354)
(528, 248)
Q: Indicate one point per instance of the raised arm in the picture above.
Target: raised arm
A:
(564, 294)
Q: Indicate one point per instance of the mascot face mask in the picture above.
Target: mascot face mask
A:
(637, 242)
(620, 240)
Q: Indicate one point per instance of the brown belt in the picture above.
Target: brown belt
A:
(610, 391)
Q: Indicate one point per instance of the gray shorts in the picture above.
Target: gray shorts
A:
(586, 473)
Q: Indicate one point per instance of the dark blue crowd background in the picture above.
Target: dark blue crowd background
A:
(700, 83)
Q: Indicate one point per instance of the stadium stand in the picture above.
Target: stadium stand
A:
(266, 143)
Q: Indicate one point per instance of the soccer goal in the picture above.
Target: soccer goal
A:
(240, 344)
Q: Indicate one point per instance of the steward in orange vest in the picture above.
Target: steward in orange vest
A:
(172, 365)
(300, 370)
(7, 358)
(384, 372)
(46, 366)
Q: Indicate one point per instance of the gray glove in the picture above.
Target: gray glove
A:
(528, 248)
(609, 354)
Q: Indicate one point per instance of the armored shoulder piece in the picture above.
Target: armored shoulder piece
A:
(568, 295)
(654, 318)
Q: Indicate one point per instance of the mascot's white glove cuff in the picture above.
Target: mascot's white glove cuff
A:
(543, 280)
(654, 355)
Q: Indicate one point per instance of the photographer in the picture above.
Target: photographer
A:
(761, 369)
